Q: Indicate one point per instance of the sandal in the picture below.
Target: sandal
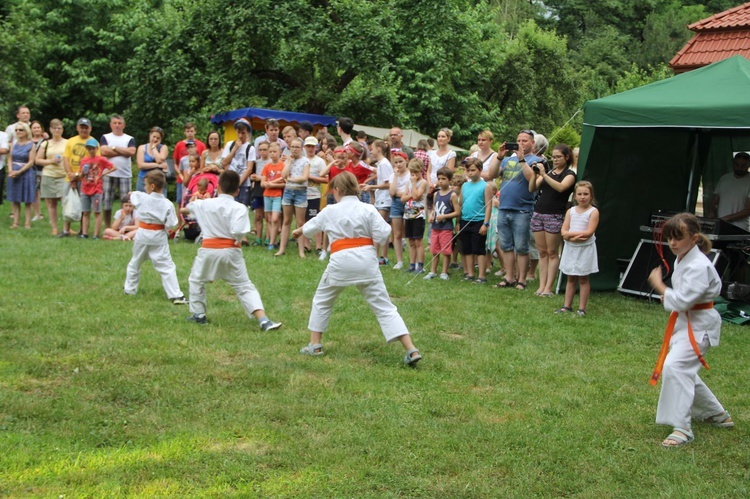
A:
(481, 280)
(313, 350)
(520, 286)
(723, 420)
(505, 283)
(412, 361)
(679, 440)
(563, 310)
(468, 277)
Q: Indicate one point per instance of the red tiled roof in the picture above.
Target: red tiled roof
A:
(736, 17)
(717, 37)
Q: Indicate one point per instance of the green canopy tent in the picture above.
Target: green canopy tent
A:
(648, 149)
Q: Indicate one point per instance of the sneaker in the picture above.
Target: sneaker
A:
(398, 266)
(382, 261)
(82, 236)
(419, 270)
(411, 269)
(430, 275)
(270, 247)
(563, 310)
(581, 312)
(270, 325)
(37, 218)
(95, 238)
(455, 266)
(323, 255)
(444, 277)
(180, 301)
(63, 234)
(198, 319)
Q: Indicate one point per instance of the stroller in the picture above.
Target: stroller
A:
(190, 228)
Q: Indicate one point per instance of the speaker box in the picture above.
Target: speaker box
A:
(646, 258)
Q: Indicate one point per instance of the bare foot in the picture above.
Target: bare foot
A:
(278, 253)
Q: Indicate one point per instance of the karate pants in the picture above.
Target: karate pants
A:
(683, 393)
(226, 264)
(163, 264)
(375, 295)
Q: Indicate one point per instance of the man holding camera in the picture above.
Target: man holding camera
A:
(516, 206)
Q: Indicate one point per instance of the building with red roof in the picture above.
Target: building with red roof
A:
(716, 38)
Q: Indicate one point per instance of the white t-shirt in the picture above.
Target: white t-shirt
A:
(437, 162)
(296, 170)
(3, 145)
(488, 160)
(129, 218)
(733, 194)
(385, 172)
(401, 182)
(317, 165)
(239, 162)
(280, 141)
(123, 164)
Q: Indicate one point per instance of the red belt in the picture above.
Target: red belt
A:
(219, 243)
(144, 225)
(350, 242)
(668, 336)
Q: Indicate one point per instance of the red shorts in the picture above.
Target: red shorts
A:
(441, 242)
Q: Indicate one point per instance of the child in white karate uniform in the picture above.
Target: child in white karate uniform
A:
(694, 327)
(353, 228)
(156, 216)
(224, 223)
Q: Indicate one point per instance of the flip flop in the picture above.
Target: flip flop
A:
(505, 283)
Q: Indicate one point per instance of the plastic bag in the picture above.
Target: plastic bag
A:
(72, 207)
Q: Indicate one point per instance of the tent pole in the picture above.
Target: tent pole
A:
(692, 172)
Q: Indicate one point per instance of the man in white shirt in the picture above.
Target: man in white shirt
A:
(731, 201)
(23, 114)
(119, 148)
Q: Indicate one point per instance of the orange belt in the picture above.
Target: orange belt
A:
(351, 242)
(144, 225)
(668, 336)
(219, 243)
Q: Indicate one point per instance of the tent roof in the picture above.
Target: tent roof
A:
(715, 96)
(410, 139)
(285, 117)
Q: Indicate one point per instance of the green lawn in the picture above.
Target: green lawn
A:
(103, 394)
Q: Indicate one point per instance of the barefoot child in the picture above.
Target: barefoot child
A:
(125, 224)
(224, 223)
(693, 328)
(579, 253)
(156, 214)
(446, 208)
(353, 228)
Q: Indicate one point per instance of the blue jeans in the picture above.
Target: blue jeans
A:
(513, 229)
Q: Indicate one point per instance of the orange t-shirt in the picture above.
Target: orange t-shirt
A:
(272, 171)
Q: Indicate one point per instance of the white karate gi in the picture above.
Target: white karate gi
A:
(350, 218)
(221, 217)
(153, 245)
(683, 393)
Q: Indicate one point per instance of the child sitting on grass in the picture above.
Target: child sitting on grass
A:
(224, 223)
(125, 224)
(353, 228)
(151, 241)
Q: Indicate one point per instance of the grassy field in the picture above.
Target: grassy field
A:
(103, 394)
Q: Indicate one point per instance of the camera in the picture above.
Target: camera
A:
(511, 146)
(538, 165)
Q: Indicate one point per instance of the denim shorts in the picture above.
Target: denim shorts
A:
(91, 202)
(513, 229)
(296, 197)
(397, 208)
(272, 204)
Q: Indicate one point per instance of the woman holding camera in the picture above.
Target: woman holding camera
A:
(555, 187)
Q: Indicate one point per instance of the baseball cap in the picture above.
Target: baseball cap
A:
(243, 122)
(311, 141)
(85, 122)
(91, 142)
